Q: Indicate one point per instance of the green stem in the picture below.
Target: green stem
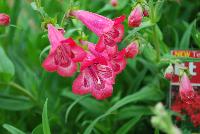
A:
(21, 89)
(66, 12)
(156, 43)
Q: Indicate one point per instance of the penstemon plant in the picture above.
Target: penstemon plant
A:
(94, 66)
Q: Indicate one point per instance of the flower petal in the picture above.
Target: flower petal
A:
(78, 54)
(95, 22)
(49, 63)
(67, 71)
(55, 36)
(120, 29)
(118, 62)
(119, 19)
(100, 46)
(103, 93)
(83, 83)
(111, 50)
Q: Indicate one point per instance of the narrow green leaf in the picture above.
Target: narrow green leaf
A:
(45, 122)
(12, 130)
(44, 51)
(149, 52)
(148, 93)
(185, 40)
(132, 111)
(37, 130)
(7, 69)
(132, 33)
(14, 103)
(158, 10)
(127, 126)
(196, 35)
(72, 105)
(90, 104)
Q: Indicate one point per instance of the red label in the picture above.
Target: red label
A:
(194, 67)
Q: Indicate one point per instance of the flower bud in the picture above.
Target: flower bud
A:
(145, 13)
(114, 3)
(169, 72)
(135, 17)
(4, 19)
(131, 50)
(185, 89)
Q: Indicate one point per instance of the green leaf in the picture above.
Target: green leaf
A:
(158, 10)
(149, 52)
(132, 111)
(133, 32)
(92, 105)
(45, 122)
(196, 35)
(148, 93)
(38, 130)
(39, 9)
(12, 129)
(7, 69)
(127, 126)
(44, 51)
(14, 103)
(72, 105)
(185, 40)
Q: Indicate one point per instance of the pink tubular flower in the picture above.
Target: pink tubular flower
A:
(117, 61)
(186, 91)
(109, 31)
(132, 50)
(63, 55)
(135, 18)
(114, 3)
(4, 19)
(96, 77)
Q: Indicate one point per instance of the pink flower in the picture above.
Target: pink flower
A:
(96, 77)
(63, 55)
(135, 18)
(114, 3)
(109, 31)
(4, 19)
(132, 50)
(186, 91)
(117, 61)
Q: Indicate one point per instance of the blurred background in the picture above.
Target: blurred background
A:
(25, 85)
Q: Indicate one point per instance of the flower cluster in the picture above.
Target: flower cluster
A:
(192, 109)
(99, 64)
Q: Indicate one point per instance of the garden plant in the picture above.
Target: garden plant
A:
(99, 66)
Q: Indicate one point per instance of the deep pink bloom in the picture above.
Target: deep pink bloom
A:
(63, 55)
(114, 3)
(186, 91)
(4, 19)
(135, 17)
(145, 13)
(132, 50)
(117, 61)
(109, 31)
(96, 77)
